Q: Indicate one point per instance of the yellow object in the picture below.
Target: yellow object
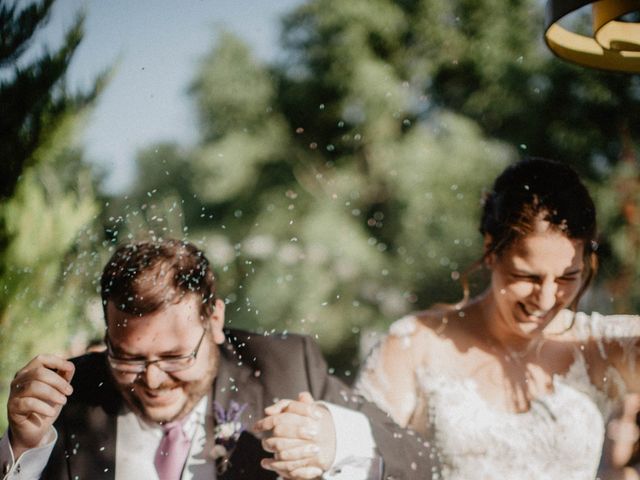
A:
(615, 45)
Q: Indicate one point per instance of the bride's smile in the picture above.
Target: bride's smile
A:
(531, 282)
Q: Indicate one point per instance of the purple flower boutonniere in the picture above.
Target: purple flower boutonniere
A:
(226, 433)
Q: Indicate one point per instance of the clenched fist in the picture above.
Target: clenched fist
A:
(38, 392)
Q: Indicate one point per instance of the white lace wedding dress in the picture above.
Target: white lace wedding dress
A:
(559, 438)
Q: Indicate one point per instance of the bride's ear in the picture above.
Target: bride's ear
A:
(489, 257)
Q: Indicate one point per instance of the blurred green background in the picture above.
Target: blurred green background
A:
(334, 189)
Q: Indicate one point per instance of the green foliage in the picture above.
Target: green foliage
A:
(332, 196)
(341, 187)
(619, 218)
(234, 98)
(46, 197)
(18, 27)
(32, 96)
(42, 219)
(41, 301)
(495, 69)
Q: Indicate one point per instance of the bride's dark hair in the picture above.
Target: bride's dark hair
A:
(532, 190)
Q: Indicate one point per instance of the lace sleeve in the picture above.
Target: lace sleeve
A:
(388, 375)
(616, 338)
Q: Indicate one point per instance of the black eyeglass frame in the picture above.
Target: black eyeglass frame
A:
(117, 363)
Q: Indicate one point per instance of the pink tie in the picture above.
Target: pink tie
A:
(172, 451)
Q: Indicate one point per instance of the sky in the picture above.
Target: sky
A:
(155, 47)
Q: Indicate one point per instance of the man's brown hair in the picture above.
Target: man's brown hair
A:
(144, 277)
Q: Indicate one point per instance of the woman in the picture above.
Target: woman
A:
(620, 453)
(513, 384)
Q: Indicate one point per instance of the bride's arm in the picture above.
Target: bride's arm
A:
(388, 377)
(623, 358)
(613, 346)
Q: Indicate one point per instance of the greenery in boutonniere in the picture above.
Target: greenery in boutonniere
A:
(227, 431)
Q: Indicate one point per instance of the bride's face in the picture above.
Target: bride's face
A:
(534, 279)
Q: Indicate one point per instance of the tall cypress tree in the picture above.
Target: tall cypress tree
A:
(33, 96)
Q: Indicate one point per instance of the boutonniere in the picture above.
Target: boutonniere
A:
(226, 433)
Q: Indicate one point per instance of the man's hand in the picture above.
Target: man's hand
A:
(37, 395)
(303, 438)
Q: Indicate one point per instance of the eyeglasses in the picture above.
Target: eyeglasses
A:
(166, 364)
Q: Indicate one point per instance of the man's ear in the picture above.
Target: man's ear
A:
(216, 322)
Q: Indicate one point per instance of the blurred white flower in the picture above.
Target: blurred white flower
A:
(317, 254)
(289, 254)
(259, 246)
(227, 430)
(218, 250)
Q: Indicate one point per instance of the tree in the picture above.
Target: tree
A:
(46, 198)
(329, 201)
(495, 70)
(341, 187)
(32, 97)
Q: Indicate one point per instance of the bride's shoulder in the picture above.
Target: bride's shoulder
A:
(406, 326)
(402, 347)
(418, 328)
(416, 339)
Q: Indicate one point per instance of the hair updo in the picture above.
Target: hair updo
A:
(535, 190)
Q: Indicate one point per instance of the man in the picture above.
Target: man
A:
(175, 396)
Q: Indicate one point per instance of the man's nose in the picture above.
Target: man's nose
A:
(153, 376)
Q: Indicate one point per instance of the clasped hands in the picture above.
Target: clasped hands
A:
(301, 437)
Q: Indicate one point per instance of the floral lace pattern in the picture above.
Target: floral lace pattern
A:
(559, 437)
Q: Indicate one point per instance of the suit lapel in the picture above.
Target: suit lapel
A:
(238, 381)
(91, 452)
(87, 445)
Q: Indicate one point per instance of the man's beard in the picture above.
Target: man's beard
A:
(195, 390)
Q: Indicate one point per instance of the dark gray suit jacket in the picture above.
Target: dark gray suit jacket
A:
(254, 369)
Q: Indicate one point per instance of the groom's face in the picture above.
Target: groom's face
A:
(171, 335)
